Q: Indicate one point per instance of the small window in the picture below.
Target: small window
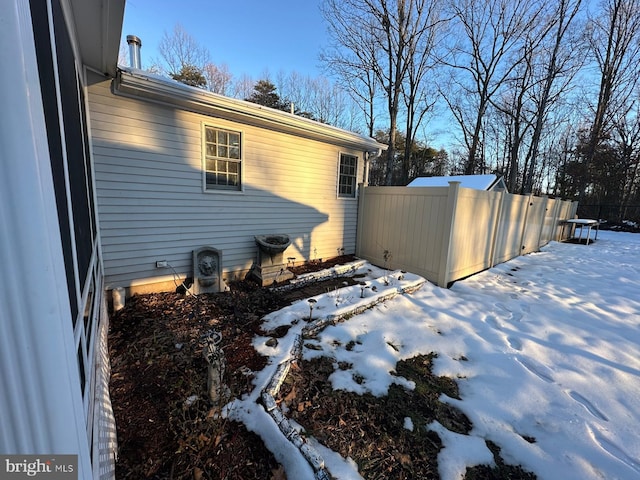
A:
(347, 176)
(222, 159)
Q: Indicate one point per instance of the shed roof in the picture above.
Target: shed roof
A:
(477, 182)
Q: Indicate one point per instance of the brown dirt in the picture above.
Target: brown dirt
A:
(156, 345)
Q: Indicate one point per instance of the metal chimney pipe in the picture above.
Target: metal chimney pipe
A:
(135, 44)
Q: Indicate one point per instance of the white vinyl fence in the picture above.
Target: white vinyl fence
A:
(448, 233)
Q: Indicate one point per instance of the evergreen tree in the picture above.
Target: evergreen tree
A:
(264, 93)
(190, 75)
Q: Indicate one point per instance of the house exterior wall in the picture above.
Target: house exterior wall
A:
(152, 206)
(51, 301)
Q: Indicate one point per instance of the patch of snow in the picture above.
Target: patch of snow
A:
(544, 349)
(408, 424)
(338, 466)
(477, 182)
(459, 452)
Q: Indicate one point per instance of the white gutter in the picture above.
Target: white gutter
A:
(143, 85)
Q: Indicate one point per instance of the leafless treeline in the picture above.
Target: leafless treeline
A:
(544, 92)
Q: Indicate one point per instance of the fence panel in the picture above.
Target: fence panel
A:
(508, 238)
(550, 221)
(448, 233)
(533, 225)
(405, 222)
(475, 220)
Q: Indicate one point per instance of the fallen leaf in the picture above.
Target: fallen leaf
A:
(405, 460)
(278, 474)
(291, 395)
(197, 473)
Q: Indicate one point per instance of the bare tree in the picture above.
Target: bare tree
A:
(352, 57)
(548, 57)
(179, 49)
(243, 87)
(627, 141)
(315, 98)
(327, 102)
(418, 98)
(185, 59)
(294, 87)
(219, 78)
(488, 36)
(513, 105)
(379, 36)
(360, 84)
(616, 49)
(561, 60)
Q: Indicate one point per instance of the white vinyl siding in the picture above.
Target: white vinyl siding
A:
(151, 204)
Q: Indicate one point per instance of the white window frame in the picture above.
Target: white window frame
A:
(354, 194)
(240, 161)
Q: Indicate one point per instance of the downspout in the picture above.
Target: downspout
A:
(368, 156)
(371, 155)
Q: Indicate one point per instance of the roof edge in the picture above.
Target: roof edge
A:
(138, 84)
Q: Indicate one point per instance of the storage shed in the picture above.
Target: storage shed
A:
(490, 182)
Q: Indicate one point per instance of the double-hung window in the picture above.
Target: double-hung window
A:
(347, 176)
(222, 159)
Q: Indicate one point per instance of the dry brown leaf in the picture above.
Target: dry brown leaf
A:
(405, 460)
(278, 474)
(197, 473)
(291, 395)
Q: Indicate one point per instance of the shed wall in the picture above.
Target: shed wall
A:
(152, 205)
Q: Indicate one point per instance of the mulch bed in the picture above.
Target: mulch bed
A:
(167, 428)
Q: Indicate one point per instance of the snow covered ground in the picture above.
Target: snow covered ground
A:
(552, 348)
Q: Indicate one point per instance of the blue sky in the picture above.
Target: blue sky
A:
(251, 37)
